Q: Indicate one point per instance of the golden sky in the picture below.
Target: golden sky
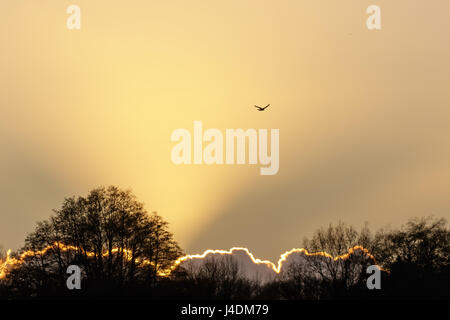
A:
(363, 115)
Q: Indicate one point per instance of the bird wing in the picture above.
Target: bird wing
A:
(267, 106)
(257, 106)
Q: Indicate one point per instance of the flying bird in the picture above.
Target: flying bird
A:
(261, 108)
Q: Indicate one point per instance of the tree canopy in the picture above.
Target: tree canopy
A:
(108, 234)
(124, 250)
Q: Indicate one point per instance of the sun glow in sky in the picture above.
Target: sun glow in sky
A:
(363, 115)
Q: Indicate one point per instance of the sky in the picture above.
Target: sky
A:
(363, 114)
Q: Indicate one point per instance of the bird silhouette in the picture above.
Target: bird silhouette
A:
(261, 108)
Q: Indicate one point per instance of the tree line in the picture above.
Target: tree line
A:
(125, 252)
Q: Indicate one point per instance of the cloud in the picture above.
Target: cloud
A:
(263, 271)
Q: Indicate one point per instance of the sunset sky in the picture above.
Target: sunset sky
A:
(363, 115)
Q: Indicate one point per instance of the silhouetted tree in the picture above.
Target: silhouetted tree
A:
(336, 240)
(338, 275)
(418, 257)
(422, 241)
(108, 234)
(124, 251)
(217, 278)
(300, 282)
